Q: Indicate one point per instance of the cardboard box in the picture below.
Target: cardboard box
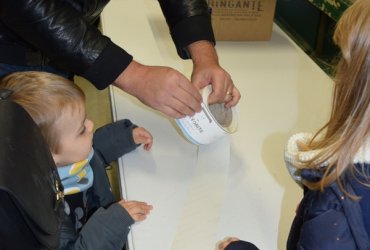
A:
(242, 20)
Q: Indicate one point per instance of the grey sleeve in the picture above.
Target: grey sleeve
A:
(114, 140)
(107, 229)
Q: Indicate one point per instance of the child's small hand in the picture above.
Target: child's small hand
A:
(142, 136)
(138, 210)
(226, 242)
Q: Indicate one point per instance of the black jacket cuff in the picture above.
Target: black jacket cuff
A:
(194, 29)
(108, 66)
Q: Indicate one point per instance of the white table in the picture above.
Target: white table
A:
(238, 186)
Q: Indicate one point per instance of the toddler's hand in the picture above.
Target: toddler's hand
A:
(138, 210)
(226, 242)
(142, 136)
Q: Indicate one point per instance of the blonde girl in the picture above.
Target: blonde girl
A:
(333, 165)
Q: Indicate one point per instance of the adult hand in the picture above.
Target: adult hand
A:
(142, 136)
(138, 210)
(162, 88)
(206, 70)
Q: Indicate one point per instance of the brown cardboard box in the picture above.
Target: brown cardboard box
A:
(242, 20)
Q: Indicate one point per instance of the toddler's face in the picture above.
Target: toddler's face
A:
(76, 134)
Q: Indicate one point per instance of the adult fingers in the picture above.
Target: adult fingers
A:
(222, 88)
(232, 97)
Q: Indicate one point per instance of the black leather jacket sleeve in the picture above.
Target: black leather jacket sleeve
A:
(189, 21)
(67, 36)
(64, 32)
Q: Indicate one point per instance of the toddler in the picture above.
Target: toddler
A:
(93, 220)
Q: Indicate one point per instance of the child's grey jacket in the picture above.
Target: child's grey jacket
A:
(108, 227)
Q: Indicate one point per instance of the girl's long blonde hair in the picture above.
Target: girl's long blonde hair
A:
(45, 97)
(348, 127)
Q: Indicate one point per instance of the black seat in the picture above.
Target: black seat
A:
(31, 207)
